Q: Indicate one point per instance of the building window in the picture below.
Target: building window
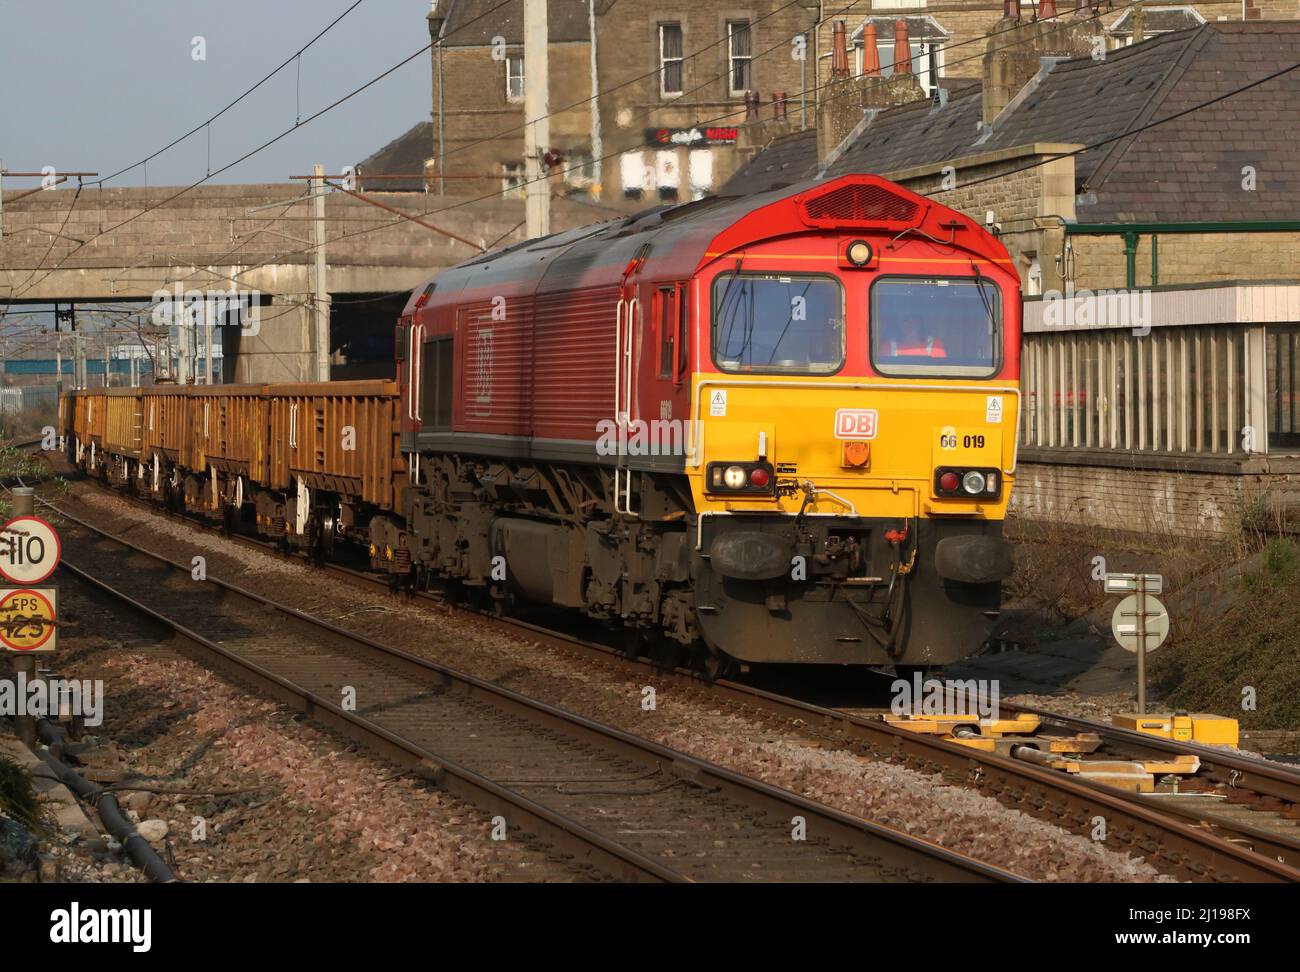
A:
(670, 60)
(921, 52)
(512, 180)
(700, 170)
(667, 174)
(633, 174)
(579, 171)
(739, 52)
(514, 77)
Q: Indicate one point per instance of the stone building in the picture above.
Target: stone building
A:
(659, 103)
(675, 85)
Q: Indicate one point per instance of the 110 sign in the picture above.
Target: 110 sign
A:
(29, 550)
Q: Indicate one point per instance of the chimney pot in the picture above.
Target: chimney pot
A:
(902, 49)
(780, 107)
(870, 52)
(839, 50)
(751, 106)
(1047, 10)
(1010, 9)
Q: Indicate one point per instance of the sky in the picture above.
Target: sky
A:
(96, 85)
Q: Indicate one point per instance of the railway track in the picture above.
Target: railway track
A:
(1247, 835)
(617, 805)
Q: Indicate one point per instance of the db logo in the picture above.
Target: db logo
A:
(855, 423)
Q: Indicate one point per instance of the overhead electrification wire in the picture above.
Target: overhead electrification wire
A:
(269, 142)
(287, 61)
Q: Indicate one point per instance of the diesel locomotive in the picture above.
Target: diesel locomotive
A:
(771, 429)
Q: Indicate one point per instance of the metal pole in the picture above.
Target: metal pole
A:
(1142, 643)
(25, 674)
(320, 305)
(597, 142)
(24, 504)
(106, 367)
(209, 312)
(803, 85)
(537, 127)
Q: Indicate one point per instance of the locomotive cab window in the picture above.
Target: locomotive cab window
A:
(671, 315)
(778, 324)
(936, 326)
(435, 393)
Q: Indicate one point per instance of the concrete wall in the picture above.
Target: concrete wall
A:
(125, 244)
(1212, 498)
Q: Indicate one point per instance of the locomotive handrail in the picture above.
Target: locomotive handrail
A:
(619, 419)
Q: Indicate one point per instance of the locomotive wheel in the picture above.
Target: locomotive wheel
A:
(665, 653)
(718, 665)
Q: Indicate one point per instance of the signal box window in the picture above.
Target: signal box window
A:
(778, 324)
(935, 326)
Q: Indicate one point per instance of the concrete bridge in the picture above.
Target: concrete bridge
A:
(123, 245)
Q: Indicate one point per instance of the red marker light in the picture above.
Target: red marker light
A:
(948, 482)
(758, 477)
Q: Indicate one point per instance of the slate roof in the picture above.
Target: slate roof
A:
(1184, 169)
(786, 160)
(405, 154)
(470, 24)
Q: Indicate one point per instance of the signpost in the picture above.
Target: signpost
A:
(1140, 622)
(29, 552)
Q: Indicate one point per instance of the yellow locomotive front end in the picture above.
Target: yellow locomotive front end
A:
(853, 445)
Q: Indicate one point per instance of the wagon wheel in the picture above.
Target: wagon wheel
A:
(633, 643)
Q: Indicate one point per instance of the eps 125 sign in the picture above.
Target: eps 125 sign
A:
(29, 550)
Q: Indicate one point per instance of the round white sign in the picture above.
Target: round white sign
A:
(1126, 624)
(29, 550)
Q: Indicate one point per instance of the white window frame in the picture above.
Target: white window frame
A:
(665, 60)
(733, 57)
(512, 180)
(511, 59)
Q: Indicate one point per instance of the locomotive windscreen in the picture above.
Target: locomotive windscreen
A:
(929, 326)
(777, 323)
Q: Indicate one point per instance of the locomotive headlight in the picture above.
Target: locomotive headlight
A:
(973, 482)
(858, 253)
(734, 477)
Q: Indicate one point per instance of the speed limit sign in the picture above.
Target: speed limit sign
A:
(29, 550)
